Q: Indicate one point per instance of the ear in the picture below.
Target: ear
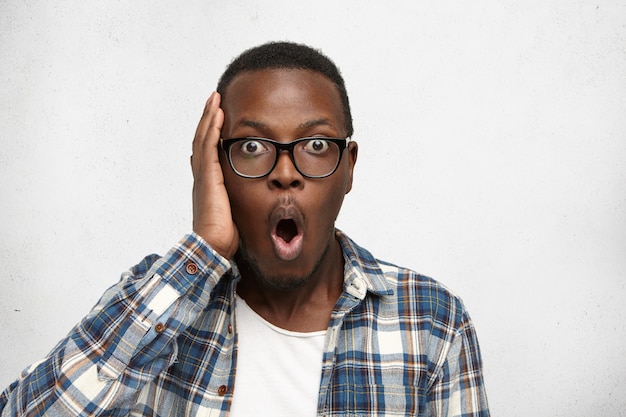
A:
(353, 152)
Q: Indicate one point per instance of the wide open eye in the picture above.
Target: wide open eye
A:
(252, 147)
(316, 146)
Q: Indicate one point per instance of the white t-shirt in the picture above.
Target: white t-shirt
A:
(278, 371)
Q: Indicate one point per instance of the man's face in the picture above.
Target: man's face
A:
(285, 221)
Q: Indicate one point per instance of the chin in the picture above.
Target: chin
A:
(282, 283)
(270, 278)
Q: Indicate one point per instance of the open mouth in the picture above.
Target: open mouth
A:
(286, 229)
(287, 233)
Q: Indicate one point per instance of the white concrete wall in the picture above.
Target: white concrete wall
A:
(492, 156)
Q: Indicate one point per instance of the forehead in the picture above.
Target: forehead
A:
(282, 97)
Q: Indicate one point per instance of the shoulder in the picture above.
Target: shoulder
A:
(404, 290)
(424, 296)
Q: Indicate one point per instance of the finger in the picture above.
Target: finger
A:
(208, 146)
(203, 124)
(204, 147)
(216, 121)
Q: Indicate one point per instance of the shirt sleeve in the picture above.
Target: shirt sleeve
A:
(459, 390)
(126, 340)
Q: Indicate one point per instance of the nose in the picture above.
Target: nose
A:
(285, 175)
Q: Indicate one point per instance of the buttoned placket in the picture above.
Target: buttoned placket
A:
(229, 331)
(353, 295)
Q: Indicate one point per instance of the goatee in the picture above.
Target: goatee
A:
(248, 266)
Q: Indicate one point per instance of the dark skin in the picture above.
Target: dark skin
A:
(233, 213)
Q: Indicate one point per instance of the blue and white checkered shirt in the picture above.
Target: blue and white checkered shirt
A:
(162, 342)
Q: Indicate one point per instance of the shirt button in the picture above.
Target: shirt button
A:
(222, 390)
(230, 329)
(159, 328)
(191, 268)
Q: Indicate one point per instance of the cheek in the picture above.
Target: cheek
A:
(344, 180)
(330, 192)
(329, 202)
(245, 203)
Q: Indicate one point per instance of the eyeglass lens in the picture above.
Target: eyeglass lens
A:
(314, 157)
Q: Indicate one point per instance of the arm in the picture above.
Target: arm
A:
(459, 389)
(125, 341)
(130, 336)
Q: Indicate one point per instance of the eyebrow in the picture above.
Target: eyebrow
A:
(316, 122)
(251, 123)
(306, 125)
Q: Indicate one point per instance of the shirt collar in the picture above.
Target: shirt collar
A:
(362, 272)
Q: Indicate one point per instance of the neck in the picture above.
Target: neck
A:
(306, 308)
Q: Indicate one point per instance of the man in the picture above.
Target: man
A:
(266, 308)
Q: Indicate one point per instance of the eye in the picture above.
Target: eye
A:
(252, 147)
(317, 146)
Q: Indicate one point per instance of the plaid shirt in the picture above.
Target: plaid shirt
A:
(162, 342)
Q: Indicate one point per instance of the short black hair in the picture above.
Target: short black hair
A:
(288, 55)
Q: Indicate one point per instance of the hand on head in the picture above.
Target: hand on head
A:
(212, 218)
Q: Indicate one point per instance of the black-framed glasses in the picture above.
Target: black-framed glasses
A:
(313, 157)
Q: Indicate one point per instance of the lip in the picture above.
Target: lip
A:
(287, 251)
